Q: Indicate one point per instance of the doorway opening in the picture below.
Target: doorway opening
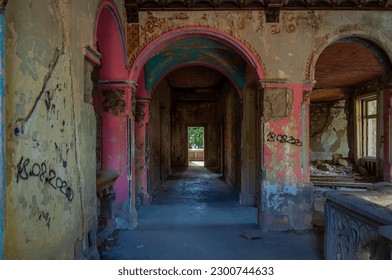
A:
(345, 120)
(195, 145)
(345, 117)
(199, 77)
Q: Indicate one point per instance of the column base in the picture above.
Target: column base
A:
(286, 207)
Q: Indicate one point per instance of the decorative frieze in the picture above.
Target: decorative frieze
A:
(114, 101)
(255, 4)
(139, 112)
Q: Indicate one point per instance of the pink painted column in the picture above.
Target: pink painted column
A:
(114, 140)
(142, 118)
(116, 137)
(286, 195)
(388, 135)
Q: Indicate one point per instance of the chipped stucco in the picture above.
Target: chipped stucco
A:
(328, 131)
(51, 202)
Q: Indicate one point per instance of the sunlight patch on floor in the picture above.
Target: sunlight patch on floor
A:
(196, 163)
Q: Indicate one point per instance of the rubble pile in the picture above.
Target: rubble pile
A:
(340, 168)
(337, 167)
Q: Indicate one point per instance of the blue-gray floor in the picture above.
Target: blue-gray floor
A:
(196, 216)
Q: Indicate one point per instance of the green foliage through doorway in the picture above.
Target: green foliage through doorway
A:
(196, 137)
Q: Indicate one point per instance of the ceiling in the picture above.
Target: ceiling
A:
(197, 51)
(342, 65)
(195, 77)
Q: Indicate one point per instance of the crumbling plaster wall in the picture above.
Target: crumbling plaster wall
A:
(328, 131)
(288, 49)
(286, 196)
(51, 197)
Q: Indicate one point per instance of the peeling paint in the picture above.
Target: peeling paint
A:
(286, 207)
(290, 190)
(42, 60)
(328, 131)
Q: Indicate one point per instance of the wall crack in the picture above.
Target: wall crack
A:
(22, 124)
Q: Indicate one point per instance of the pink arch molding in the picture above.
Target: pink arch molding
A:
(186, 32)
(110, 41)
(109, 38)
(197, 64)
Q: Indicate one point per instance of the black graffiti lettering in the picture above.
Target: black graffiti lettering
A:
(60, 184)
(291, 140)
(45, 216)
(70, 193)
(283, 138)
(35, 170)
(22, 169)
(64, 189)
(43, 172)
(24, 172)
(298, 143)
(271, 137)
(52, 176)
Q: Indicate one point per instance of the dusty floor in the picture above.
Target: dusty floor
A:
(196, 216)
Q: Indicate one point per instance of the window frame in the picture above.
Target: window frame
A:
(362, 117)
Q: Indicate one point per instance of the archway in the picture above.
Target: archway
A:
(197, 50)
(111, 100)
(347, 115)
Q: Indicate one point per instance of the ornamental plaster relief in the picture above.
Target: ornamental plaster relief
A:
(291, 46)
(155, 24)
(290, 22)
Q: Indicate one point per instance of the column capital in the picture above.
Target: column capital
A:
(142, 109)
(308, 85)
(3, 3)
(307, 90)
(273, 83)
(124, 84)
(143, 99)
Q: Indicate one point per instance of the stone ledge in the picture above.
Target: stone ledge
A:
(362, 204)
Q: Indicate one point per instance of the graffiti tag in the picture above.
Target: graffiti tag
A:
(26, 170)
(282, 138)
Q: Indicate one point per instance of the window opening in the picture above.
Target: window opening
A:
(368, 107)
(367, 133)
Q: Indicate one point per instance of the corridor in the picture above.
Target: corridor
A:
(196, 216)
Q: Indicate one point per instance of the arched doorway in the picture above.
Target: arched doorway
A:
(113, 110)
(182, 62)
(348, 116)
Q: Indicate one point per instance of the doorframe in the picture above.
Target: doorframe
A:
(204, 141)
